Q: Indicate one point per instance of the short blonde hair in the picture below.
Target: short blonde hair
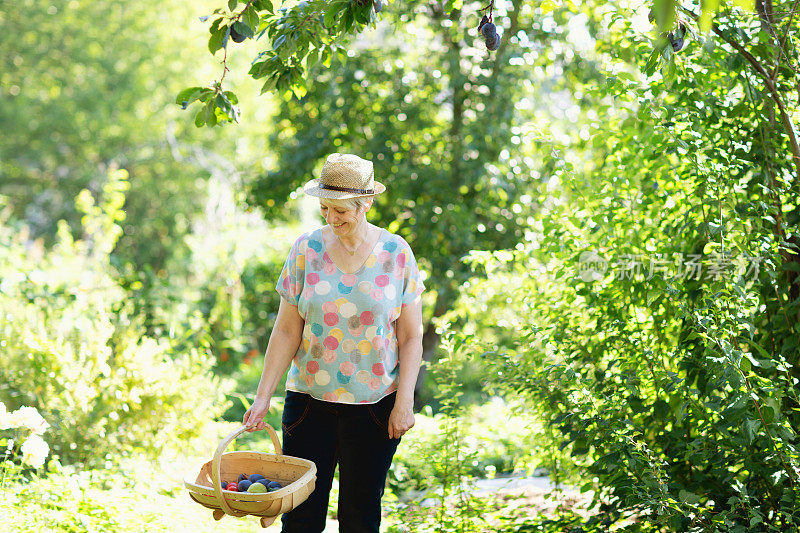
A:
(357, 203)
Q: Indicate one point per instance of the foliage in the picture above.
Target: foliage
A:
(652, 317)
(565, 522)
(138, 494)
(448, 459)
(73, 349)
(308, 32)
(84, 93)
(496, 439)
(87, 85)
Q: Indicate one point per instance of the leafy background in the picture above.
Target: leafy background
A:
(607, 226)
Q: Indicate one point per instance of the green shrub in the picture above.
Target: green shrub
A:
(496, 438)
(138, 494)
(651, 316)
(73, 348)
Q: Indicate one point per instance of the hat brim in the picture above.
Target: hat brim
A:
(312, 188)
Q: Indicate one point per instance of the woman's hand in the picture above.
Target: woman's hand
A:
(401, 419)
(254, 417)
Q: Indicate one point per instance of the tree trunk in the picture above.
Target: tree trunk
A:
(430, 341)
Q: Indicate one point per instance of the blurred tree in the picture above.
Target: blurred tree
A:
(86, 85)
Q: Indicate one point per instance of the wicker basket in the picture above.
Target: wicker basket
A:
(297, 476)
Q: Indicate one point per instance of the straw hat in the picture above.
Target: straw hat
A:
(344, 176)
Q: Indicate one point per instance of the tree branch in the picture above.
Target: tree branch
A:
(783, 41)
(773, 90)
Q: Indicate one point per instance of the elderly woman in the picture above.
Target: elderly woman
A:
(349, 328)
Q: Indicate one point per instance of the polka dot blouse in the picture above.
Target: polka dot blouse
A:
(349, 352)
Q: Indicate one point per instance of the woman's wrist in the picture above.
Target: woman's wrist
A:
(404, 399)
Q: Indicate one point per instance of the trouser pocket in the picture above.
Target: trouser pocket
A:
(295, 410)
(381, 410)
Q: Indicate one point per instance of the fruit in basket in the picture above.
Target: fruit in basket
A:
(273, 486)
(244, 485)
(224, 485)
(255, 477)
(232, 487)
(241, 477)
(257, 488)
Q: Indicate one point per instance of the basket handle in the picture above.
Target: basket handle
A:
(215, 464)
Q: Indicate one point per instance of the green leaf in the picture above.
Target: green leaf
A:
(311, 59)
(349, 19)
(793, 266)
(243, 29)
(189, 95)
(231, 96)
(278, 42)
(652, 296)
(216, 39)
(232, 4)
(688, 497)
(250, 17)
(288, 48)
(264, 5)
(768, 412)
(200, 117)
(759, 348)
(362, 13)
(299, 91)
(269, 84)
(660, 409)
(226, 37)
(222, 102)
(280, 83)
(331, 12)
(664, 11)
(750, 427)
(211, 116)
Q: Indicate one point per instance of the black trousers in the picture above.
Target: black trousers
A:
(354, 436)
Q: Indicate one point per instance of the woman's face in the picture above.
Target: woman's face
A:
(341, 220)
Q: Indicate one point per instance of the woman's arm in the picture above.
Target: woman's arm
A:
(409, 343)
(286, 336)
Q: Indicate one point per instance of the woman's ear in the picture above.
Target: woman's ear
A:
(363, 209)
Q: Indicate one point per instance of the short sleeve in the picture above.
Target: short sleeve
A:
(412, 281)
(292, 279)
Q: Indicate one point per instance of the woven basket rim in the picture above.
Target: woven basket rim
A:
(306, 478)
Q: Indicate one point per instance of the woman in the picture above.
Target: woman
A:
(349, 328)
